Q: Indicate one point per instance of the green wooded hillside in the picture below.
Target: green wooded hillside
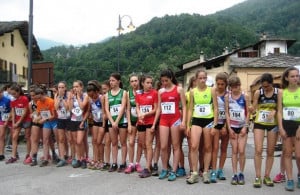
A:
(173, 40)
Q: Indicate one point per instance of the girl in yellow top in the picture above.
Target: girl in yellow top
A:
(203, 110)
(289, 122)
(265, 104)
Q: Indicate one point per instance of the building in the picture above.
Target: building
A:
(249, 63)
(42, 73)
(14, 52)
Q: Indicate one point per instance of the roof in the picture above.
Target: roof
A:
(22, 26)
(289, 42)
(272, 60)
(215, 61)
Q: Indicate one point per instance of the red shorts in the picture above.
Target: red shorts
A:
(170, 122)
(9, 124)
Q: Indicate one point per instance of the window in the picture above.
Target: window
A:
(25, 72)
(1, 64)
(12, 41)
(247, 54)
(3, 44)
(276, 50)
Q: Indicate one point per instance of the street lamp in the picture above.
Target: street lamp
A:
(120, 29)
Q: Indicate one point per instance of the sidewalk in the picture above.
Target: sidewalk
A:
(22, 179)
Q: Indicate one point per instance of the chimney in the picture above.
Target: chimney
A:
(201, 59)
(263, 36)
(225, 51)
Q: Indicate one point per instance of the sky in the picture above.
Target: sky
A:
(88, 21)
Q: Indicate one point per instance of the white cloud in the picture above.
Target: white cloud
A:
(85, 21)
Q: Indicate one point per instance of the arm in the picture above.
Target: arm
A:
(282, 132)
(215, 110)
(128, 112)
(158, 110)
(246, 126)
(190, 112)
(183, 106)
(123, 106)
(227, 114)
(255, 102)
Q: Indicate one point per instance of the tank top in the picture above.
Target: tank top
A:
(77, 112)
(133, 113)
(291, 105)
(146, 101)
(237, 111)
(96, 109)
(221, 109)
(62, 112)
(4, 108)
(169, 104)
(203, 107)
(115, 102)
(265, 106)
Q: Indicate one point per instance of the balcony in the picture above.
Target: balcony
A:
(7, 77)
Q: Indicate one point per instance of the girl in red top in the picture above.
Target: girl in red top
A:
(169, 98)
(146, 106)
(20, 119)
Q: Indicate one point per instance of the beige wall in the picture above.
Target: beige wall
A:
(16, 54)
(249, 75)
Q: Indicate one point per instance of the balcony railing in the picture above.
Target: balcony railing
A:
(7, 77)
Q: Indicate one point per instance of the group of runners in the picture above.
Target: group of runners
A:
(159, 118)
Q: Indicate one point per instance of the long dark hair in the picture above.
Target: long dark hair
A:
(117, 76)
(17, 88)
(169, 74)
(142, 80)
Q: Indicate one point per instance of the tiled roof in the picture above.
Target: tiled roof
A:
(22, 26)
(272, 60)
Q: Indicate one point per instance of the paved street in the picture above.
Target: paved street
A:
(22, 179)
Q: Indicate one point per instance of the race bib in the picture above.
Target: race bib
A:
(221, 115)
(133, 111)
(263, 116)
(97, 115)
(45, 114)
(237, 115)
(77, 111)
(291, 113)
(202, 110)
(167, 107)
(145, 109)
(4, 116)
(19, 111)
(62, 113)
(115, 109)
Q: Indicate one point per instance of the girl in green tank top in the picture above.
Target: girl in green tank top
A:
(289, 122)
(115, 104)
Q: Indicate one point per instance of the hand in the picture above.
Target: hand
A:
(232, 134)
(223, 131)
(188, 132)
(129, 129)
(282, 133)
(243, 131)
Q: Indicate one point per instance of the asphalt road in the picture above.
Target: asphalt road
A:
(22, 179)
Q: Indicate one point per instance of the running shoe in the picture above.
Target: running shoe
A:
(61, 163)
(138, 168)
(163, 174)
(33, 162)
(257, 182)
(205, 178)
(129, 169)
(180, 172)
(76, 163)
(241, 179)
(73, 162)
(27, 160)
(155, 170)
(234, 180)
(213, 177)
(113, 168)
(44, 163)
(145, 173)
(83, 164)
(11, 160)
(8, 148)
(2, 157)
(122, 168)
(289, 185)
(91, 165)
(220, 175)
(55, 159)
(279, 178)
(298, 183)
(172, 176)
(105, 167)
(268, 182)
(194, 178)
